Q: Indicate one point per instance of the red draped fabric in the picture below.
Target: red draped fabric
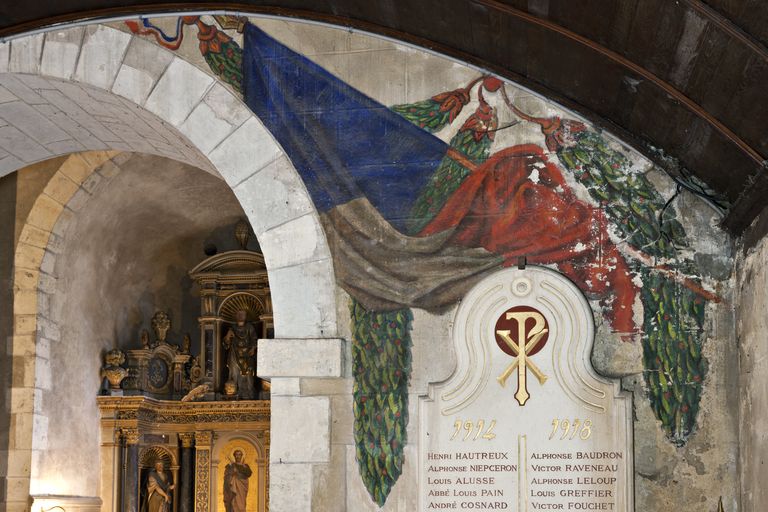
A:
(518, 204)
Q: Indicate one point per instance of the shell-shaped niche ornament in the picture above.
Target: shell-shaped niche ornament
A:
(242, 234)
(247, 302)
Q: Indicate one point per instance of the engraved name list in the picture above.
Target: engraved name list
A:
(524, 423)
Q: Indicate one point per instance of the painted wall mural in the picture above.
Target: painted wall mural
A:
(415, 222)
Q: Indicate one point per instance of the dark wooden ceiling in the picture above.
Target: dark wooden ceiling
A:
(683, 81)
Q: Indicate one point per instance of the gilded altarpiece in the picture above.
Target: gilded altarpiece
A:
(185, 425)
(229, 283)
(195, 441)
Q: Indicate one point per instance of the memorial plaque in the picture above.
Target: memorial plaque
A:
(524, 423)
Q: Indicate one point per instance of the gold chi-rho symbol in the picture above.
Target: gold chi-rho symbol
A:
(530, 338)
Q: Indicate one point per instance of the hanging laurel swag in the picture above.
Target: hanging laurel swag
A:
(472, 143)
(381, 343)
(381, 357)
(673, 300)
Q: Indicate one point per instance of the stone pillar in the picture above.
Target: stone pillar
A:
(131, 487)
(111, 469)
(186, 479)
(300, 430)
(203, 444)
(265, 470)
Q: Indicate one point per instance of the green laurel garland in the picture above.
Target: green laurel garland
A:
(227, 64)
(381, 358)
(673, 334)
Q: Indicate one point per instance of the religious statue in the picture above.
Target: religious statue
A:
(240, 344)
(159, 490)
(145, 339)
(186, 344)
(236, 476)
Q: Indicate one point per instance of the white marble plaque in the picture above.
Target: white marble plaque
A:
(524, 423)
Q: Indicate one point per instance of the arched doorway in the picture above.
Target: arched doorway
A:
(242, 151)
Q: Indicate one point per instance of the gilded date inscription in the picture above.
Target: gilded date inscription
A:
(477, 427)
(569, 429)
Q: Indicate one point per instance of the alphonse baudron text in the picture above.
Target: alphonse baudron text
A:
(503, 480)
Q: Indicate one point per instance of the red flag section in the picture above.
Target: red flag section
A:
(518, 204)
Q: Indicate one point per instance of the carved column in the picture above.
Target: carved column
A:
(131, 488)
(179, 361)
(209, 335)
(203, 444)
(267, 441)
(138, 359)
(187, 474)
(111, 467)
(175, 498)
(217, 363)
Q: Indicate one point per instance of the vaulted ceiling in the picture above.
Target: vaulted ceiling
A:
(683, 81)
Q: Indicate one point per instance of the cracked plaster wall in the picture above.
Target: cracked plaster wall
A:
(752, 326)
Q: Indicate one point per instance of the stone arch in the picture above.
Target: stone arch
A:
(55, 83)
(227, 138)
(39, 242)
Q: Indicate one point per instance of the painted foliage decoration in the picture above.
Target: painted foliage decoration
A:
(413, 221)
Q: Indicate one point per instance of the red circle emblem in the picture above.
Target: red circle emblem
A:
(533, 323)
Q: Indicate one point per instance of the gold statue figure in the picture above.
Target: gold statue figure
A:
(186, 344)
(144, 339)
(159, 490)
(240, 344)
(236, 476)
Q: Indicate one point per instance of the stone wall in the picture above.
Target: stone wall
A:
(7, 219)
(751, 326)
(692, 477)
(31, 184)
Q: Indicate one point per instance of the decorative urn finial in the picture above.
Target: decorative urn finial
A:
(113, 371)
(242, 234)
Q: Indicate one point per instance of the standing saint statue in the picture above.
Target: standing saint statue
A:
(159, 489)
(240, 344)
(236, 476)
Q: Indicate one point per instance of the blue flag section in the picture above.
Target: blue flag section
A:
(344, 144)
